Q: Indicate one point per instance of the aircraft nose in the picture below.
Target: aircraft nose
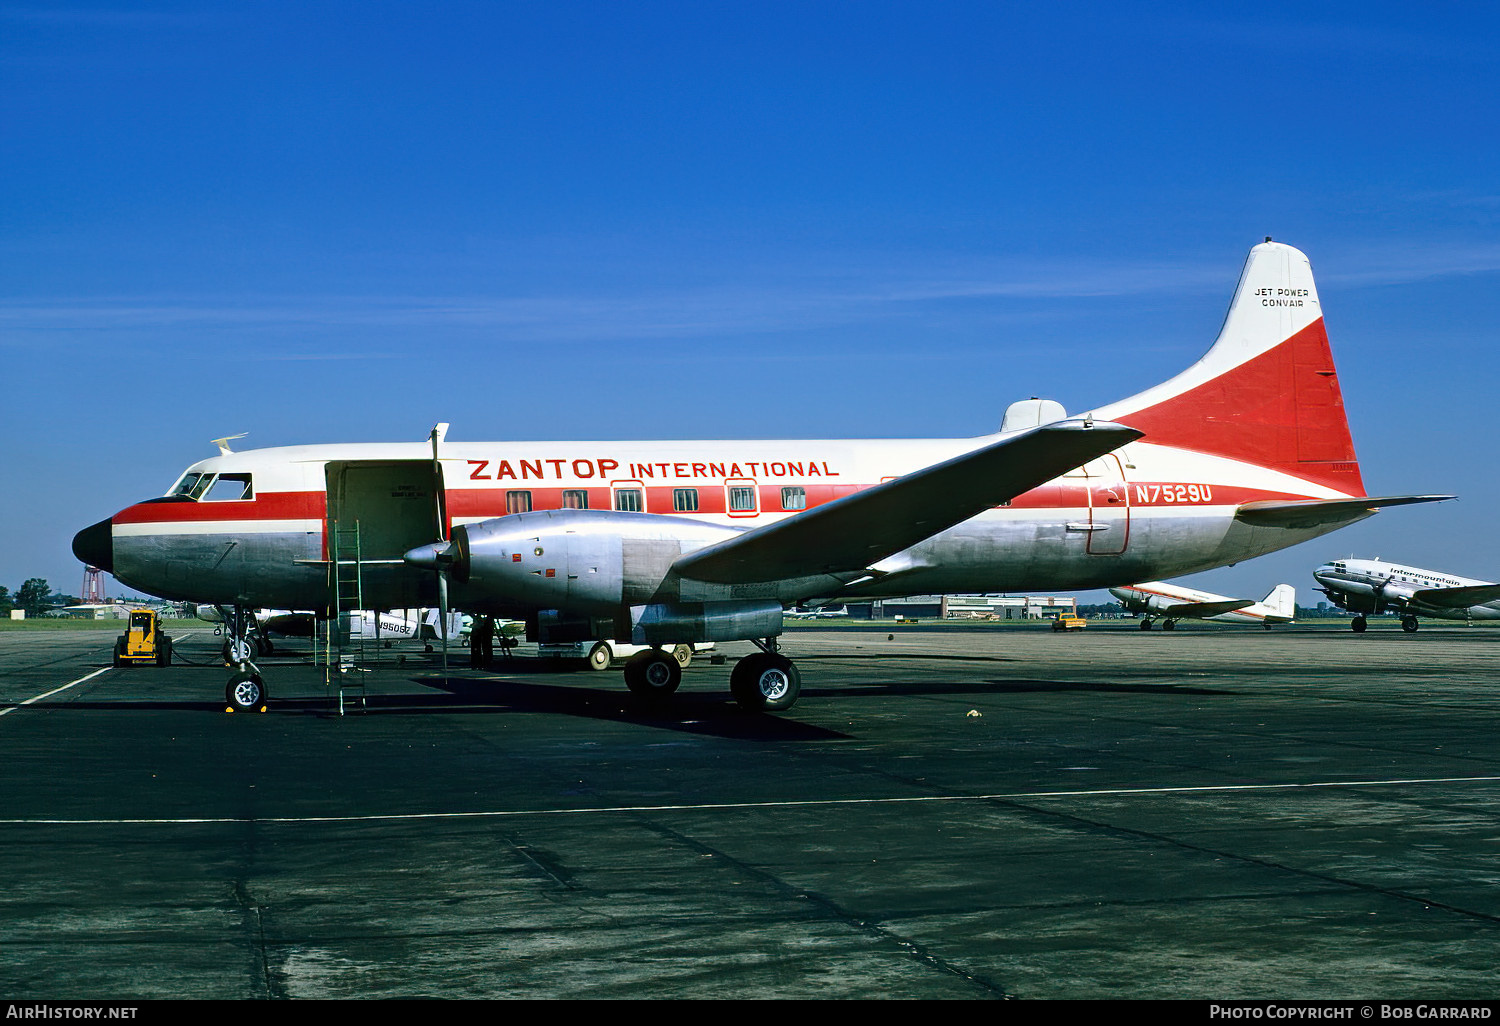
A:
(96, 545)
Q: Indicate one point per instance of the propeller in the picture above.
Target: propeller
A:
(1381, 602)
(438, 433)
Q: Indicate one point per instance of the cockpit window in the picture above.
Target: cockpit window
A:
(192, 485)
(223, 488)
(228, 487)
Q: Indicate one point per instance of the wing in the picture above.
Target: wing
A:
(1457, 598)
(1199, 610)
(1316, 512)
(859, 530)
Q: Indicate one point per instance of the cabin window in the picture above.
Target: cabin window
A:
(629, 500)
(518, 502)
(685, 500)
(741, 499)
(794, 498)
(575, 498)
(226, 488)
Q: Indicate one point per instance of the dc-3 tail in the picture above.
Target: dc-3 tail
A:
(1267, 392)
(1282, 601)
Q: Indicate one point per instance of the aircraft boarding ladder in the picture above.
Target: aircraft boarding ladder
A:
(344, 655)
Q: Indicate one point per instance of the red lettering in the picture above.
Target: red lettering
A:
(478, 465)
(528, 468)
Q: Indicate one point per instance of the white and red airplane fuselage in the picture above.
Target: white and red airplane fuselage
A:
(1246, 452)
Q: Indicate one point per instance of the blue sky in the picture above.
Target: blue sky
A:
(348, 221)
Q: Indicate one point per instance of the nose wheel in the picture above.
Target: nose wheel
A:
(246, 692)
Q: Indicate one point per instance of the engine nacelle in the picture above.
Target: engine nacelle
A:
(590, 562)
(1395, 596)
(673, 622)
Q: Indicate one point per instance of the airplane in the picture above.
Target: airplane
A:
(1245, 452)
(821, 613)
(1172, 602)
(1371, 586)
(388, 626)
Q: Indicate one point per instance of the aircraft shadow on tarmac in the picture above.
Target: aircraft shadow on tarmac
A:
(1012, 687)
(693, 712)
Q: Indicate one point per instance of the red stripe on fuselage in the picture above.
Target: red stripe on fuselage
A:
(485, 503)
(267, 506)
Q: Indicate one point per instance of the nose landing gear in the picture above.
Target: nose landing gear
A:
(246, 690)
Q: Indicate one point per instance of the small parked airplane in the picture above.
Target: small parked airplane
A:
(1371, 586)
(821, 613)
(1172, 602)
(677, 542)
(388, 626)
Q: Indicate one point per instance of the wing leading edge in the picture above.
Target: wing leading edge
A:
(1202, 610)
(1457, 598)
(857, 531)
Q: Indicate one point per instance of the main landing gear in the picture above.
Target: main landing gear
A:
(1409, 623)
(764, 681)
(1166, 625)
(1358, 625)
(246, 690)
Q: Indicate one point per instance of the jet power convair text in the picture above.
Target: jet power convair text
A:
(671, 542)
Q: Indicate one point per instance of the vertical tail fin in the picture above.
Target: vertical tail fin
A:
(1282, 600)
(1266, 392)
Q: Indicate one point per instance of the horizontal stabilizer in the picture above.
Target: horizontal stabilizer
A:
(1201, 610)
(1458, 598)
(859, 530)
(1317, 512)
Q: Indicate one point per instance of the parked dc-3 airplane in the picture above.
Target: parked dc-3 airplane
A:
(1245, 452)
(1173, 602)
(1370, 586)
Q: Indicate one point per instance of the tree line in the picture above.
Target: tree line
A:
(35, 596)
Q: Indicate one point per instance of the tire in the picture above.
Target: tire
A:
(1358, 625)
(245, 648)
(683, 654)
(1169, 625)
(1409, 624)
(164, 652)
(245, 692)
(1145, 625)
(765, 682)
(600, 656)
(653, 674)
(118, 659)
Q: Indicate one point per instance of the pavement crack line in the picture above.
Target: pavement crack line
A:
(834, 910)
(247, 902)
